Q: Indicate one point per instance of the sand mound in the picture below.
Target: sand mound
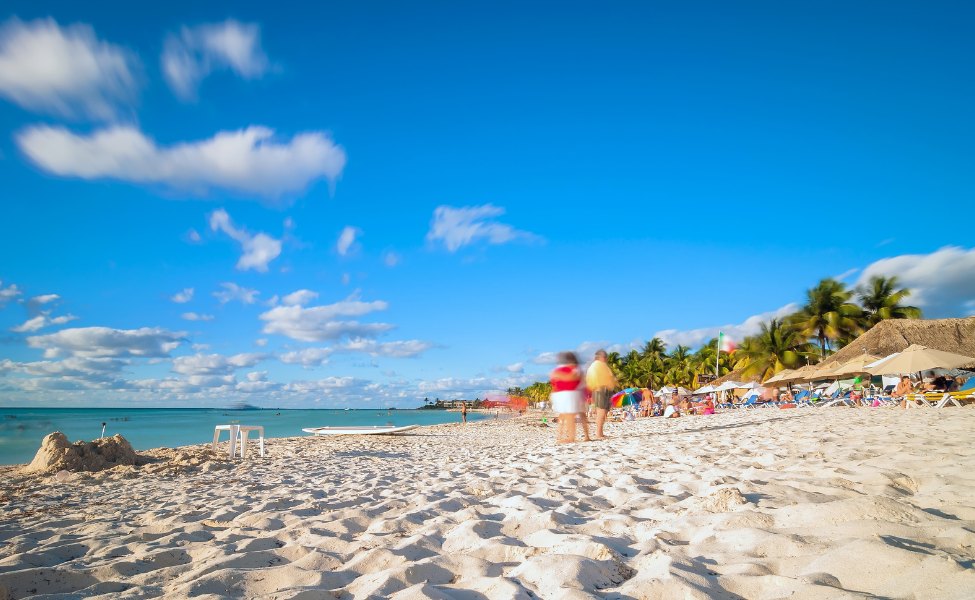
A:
(58, 454)
(724, 500)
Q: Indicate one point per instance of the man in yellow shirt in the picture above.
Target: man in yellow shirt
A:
(601, 382)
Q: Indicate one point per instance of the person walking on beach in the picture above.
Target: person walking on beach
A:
(463, 412)
(601, 382)
(567, 398)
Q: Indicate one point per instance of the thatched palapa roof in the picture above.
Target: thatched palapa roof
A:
(895, 335)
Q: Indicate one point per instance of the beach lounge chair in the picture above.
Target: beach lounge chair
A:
(957, 398)
(922, 400)
(840, 398)
(803, 398)
(750, 402)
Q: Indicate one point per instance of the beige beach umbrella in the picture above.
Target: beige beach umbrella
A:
(813, 372)
(855, 366)
(918, 358)
(806, 373)
(782, 376)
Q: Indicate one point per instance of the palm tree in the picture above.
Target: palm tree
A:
(654, 348)
(636, 370)
(704, 360)
(538, 391)
(881, 300)
(680, 367)
(615, 363)
(829, 315)
(776, 347)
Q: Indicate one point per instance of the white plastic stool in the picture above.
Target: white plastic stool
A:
(243, 431)
(238, 432)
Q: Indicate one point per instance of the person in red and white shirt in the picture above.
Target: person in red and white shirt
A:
(567, 397)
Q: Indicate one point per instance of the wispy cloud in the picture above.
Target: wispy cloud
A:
(214, 364)
(192, 316)
(391, 259)
(41, 321)
(65, 71)
(299, 298)
(105, 342)
(456, 227)
(231, 291)
(942, 283)
(257, 250)
(320, 323)
(249, 162)
(37, 301)
(8, 293)
(183, 296)
(735, 331)
(197, 51)
(346, 241)
(396, 349)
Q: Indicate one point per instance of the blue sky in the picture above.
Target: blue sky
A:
(374, 203)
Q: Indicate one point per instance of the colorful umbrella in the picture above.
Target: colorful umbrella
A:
(627, 397)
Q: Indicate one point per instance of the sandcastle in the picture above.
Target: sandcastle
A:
(58, 454)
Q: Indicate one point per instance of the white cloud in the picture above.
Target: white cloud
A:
(260, 342)
(449, 387)
(69, 367)
(391, 259)
(105, 342)
(43, 299)
(193, 236)
(249, 162)
(232, 291)
(942, 283)
(516, 368)
(314, 357)
(397, 349)
(306, 328)
(347, 239)
(183, 297)
(258, 250)
(214, 364)
(328, 384)
(41, 321)
(586, 351)
(8, 293)
(299, 298)
(317, 323)
(66, 71)
(346, 279)
(737, 332)
(192, 316)
(308, 357)
(198, 51)
(458, 227)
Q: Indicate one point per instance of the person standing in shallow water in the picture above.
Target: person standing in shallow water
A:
(463, 412)
(601, 382)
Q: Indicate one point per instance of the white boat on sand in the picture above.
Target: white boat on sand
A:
(361, 430)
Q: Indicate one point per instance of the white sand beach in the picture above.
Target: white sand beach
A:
(816, 503)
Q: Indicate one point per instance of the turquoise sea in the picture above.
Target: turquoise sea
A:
(22, 429)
